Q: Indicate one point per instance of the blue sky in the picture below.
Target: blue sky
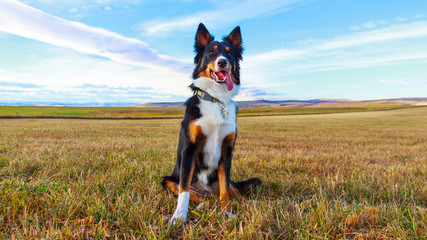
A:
(137, 51)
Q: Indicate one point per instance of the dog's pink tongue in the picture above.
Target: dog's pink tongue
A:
(229, 81)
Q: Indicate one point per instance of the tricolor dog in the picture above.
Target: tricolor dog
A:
(209, 130)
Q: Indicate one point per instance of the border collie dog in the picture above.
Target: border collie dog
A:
(209, 130)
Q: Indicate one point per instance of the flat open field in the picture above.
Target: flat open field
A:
(174, 112)
(329, 176)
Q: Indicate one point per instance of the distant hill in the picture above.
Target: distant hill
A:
(160, 105)
(320, 103)
(324, 103)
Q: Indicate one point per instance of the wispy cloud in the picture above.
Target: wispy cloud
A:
(23, 20)
(67, 3)
(6, 84)
(358, 86)
(225, 12)
(390, 45)
(370, 24)
(369, 47)
(13, 93)
(401, 19)
(71, 77)
(404, 81)
(381, 23)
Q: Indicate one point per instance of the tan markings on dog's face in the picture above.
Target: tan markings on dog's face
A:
(207, 72)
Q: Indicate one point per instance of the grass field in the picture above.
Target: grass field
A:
(167, 113)
(330, 176)
(91, 112)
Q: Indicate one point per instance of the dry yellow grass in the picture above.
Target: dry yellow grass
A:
(333, 176)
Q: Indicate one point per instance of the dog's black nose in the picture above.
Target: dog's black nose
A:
(222, 63)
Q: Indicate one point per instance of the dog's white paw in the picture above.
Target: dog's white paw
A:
(181, 211)
(180, 216)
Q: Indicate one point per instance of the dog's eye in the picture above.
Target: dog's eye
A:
(211, 52)
(229, 54)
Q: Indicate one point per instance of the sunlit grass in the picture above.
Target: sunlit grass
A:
(350, 175)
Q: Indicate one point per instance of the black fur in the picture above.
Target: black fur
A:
(187, 149)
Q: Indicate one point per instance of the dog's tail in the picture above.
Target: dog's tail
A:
(244, 186)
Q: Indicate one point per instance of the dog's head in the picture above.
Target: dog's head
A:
(218, 61)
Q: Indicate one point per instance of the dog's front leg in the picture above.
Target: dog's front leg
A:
(186, 175)
(224, 186)
(224, 173)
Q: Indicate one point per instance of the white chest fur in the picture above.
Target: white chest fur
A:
(213, 124)
(215, 128)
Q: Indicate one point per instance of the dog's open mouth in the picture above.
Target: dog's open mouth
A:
(223, 77)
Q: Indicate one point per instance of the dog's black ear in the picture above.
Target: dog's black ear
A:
(235, 38)
(203, 37)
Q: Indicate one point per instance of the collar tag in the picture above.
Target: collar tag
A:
(224, 112)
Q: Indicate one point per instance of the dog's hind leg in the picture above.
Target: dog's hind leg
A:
(171, 184)
(232, 190)
(244, 186)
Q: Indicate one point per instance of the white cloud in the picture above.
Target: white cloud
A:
(381, 22)
(73, 10)
(72, 77)
(373, 24)
(13, 93)
(370, 24)
(401, 19)
(327, 47)
(22, 20)
(227, 12)
(83, 2)
(107, 8)
(358, 86)
(404, 81)
(7, 75)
